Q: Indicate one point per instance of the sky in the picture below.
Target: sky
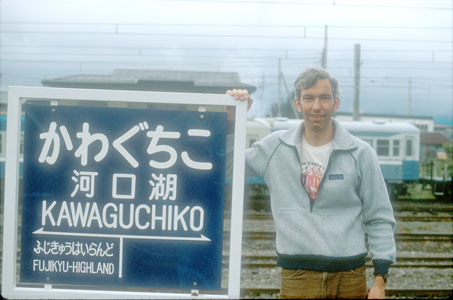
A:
(405, 46)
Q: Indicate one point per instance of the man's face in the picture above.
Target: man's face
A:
(317, 105)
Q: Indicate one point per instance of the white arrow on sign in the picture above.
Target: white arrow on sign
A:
(202, 238)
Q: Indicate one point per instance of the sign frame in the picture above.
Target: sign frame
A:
(17, 95)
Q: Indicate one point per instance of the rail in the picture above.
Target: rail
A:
(432, 218)
(420, 236)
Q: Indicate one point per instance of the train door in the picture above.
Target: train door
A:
(410, 161)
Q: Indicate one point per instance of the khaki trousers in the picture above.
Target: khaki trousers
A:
(304, 284)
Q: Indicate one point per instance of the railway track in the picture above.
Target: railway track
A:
(423, 208)
(368, 265)
(424, 218)
(430, 218)
(419, 236)
(399, 258)
(419, 205)
(434, 209)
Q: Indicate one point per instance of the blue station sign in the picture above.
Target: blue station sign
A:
(123, 197)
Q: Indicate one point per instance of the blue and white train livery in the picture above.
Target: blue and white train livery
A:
(397, 145)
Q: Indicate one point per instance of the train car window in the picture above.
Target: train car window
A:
(383, 147)
(422, 127)
(396, 148)
(409, 148)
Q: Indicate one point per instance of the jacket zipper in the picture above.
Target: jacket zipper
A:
(320, 184)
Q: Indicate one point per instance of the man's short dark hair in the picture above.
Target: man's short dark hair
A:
(309, 77)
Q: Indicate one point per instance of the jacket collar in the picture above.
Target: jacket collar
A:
(342, 139)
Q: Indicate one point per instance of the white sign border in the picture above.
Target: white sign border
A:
(10, 213)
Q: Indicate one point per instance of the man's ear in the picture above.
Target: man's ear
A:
(336, 104)
(297, 104)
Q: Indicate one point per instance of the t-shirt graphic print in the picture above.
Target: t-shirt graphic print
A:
(312, 173)
(313, 165)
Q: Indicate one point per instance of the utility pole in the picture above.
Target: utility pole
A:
(356, 106)
(279, 113)
(288, 93)
(409, 111)
(262, 95)
(324, 50)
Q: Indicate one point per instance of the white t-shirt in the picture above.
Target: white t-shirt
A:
(313, 165)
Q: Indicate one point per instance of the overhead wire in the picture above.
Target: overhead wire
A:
(227, 49)
(242, 36)
(232, 62)
(226, 25)
(318, 3)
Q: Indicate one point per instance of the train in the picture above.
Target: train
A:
(397, 145)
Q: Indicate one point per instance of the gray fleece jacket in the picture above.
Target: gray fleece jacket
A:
(328, 235)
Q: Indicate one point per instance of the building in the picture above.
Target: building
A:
(446, 130)
(155, 80)
(431, 145)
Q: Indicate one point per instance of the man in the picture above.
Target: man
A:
(326, 186)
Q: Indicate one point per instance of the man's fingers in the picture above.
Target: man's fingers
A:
(244, 94)
(239, 94)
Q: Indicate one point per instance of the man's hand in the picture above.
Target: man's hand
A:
(241, 95)
(377, 291)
